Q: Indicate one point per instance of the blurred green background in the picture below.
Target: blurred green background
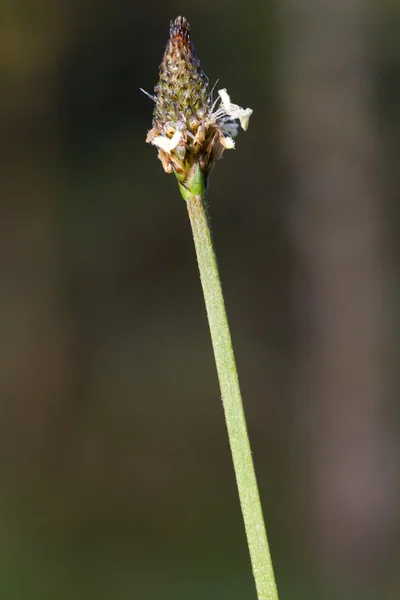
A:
(116, 479)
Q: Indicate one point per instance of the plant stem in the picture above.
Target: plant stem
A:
(230, 390)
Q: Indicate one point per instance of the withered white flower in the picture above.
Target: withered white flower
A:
(167, 144)
(188, 127)
(224, 117)
(228, 111)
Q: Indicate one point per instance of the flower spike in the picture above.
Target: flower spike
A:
(189, 129)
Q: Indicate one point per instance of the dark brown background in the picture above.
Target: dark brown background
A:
(116, 479)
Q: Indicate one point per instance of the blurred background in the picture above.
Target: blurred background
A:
(116, 477)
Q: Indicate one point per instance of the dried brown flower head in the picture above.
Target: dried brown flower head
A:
(188, 127)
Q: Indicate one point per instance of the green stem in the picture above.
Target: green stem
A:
(230, 390)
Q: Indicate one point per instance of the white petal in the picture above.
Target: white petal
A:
(225, 99)
(167, 144)
(227, 142)
(233, 110)
(244, 118)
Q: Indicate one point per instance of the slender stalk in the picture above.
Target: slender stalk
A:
(230, 390)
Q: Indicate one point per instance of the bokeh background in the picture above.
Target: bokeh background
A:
(116, 479)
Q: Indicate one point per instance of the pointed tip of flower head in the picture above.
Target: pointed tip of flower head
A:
(180, 26)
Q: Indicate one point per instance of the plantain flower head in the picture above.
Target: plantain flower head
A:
(190, 129)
